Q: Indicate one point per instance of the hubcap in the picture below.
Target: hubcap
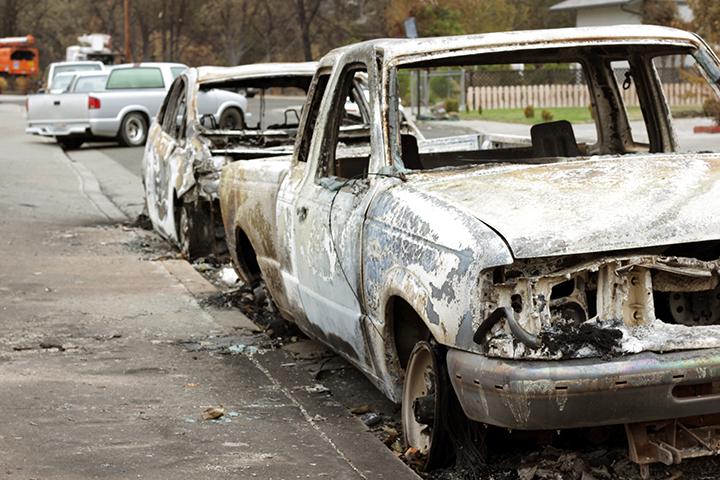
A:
(134, 130)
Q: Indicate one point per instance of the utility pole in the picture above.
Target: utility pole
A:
(128, 51)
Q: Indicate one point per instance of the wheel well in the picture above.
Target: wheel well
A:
(232, 107)
(143, 114)
(247, 259)
(408, 328)
(236, 108)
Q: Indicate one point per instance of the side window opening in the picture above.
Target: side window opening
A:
(627, 83)
(180, 116)
(317, 92)
(346, 147)
(169, 111)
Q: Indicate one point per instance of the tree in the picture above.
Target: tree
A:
(706, 19)
(306, 12)
(660, 12)
(9, 14)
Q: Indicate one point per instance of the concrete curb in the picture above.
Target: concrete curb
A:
(117, 184)
(90, 188)
(344, 433)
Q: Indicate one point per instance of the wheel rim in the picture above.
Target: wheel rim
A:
(420, 398)
(134, 130)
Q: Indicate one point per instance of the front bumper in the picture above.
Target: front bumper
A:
(555, 394)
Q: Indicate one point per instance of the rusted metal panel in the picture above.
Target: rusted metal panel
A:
(590, 205)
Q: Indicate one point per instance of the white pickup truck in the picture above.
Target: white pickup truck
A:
(122, 109)
(557, 284)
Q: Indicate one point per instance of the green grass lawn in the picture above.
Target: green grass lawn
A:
(571, 114)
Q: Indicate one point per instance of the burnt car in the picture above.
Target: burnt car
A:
(540, 277)
(212, 116)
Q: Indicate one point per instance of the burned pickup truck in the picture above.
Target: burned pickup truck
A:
(212, 116)
(569, 280)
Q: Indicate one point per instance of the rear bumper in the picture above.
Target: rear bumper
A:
(55, 130)
(548, 395)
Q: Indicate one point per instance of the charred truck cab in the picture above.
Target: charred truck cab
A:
(562, 277)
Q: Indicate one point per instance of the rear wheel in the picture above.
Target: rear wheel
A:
(133, 130)
(70, 143)
(232, 119)
(424, 406)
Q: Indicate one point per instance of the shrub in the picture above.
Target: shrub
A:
(3, 84)
(711, 108)
(529, 111)
(547, 115)
(452, 105)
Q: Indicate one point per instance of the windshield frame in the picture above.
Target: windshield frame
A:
(704, 56)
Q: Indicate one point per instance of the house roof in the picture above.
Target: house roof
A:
(578, 4)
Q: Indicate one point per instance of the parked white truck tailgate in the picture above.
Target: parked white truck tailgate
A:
(55, 114)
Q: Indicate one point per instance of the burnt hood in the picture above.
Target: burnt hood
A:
(590, 205)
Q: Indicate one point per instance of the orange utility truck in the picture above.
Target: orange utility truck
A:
(18, 56)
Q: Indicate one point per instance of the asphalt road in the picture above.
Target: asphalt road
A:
(112, 348)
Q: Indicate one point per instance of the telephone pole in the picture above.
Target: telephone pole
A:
(128, 51)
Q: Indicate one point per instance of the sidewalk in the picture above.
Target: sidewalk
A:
(107, 361)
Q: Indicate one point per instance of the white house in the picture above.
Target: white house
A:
(592, 13)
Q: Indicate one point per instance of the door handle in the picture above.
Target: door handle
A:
(56, 102)
(302, 213)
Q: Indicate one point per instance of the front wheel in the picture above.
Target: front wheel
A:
(133, 130)
(426, 391)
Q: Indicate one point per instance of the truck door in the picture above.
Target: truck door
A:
(165, 143)
(327, 214)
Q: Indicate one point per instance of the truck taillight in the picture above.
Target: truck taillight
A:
(93, 103)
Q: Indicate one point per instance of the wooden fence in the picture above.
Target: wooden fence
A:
(552, 96)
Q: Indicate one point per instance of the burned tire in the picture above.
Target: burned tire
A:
(232, 119)
(133, 130)
(426, 391)
(70, 143)
(191, 225)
